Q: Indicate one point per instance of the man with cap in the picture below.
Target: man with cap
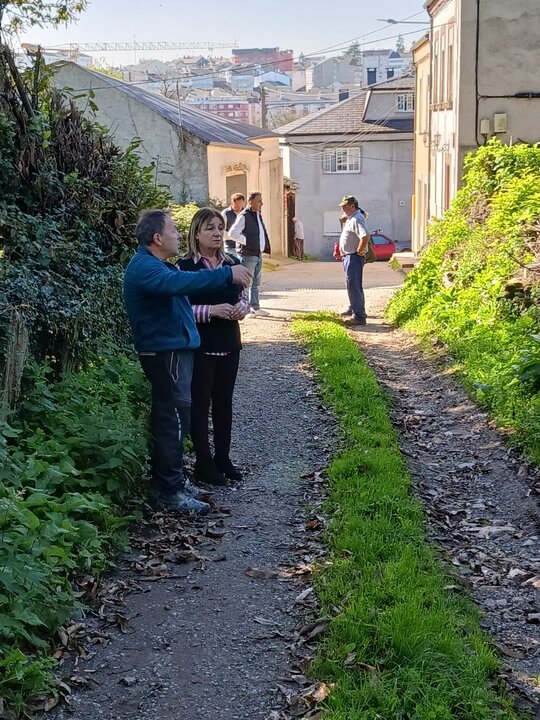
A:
(353, 243)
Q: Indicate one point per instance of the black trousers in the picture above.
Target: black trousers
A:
(170, 375)
(213, 382)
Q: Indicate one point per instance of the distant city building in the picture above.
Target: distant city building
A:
(367, 67)
(25, 59)
(269, 57)
(229, 106)
(272, 76)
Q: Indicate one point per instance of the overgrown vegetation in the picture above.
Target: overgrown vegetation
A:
(74, 405)
(404, 645)
(477, 286)
(69, 459)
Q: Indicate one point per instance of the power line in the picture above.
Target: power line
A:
(344, 45)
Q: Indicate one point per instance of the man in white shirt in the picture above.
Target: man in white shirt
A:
(229, 216)
(353, 243)
(298, 239)
(252, 241)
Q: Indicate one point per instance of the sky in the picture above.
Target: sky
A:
(306, 26)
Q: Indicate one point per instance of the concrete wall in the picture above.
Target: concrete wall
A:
(383, 188)
(509, 48)
(180, 158)
(271, 186)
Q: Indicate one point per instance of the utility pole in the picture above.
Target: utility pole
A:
(264, 119)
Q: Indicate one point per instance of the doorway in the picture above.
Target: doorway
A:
(236, 183)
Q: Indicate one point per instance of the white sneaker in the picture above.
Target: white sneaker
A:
(251, 314)
(262, 313)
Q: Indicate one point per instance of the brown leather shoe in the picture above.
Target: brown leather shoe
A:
(352, 321)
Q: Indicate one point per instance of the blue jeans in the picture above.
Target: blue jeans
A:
(254, 264)
(169, 374)
(353, 265)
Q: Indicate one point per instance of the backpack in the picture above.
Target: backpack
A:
(370, 253)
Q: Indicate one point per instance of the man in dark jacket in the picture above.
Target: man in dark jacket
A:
(165, 335)
(252, 241)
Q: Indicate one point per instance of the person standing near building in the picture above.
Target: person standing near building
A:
(353, 243)
(217, 312)
(165, 336)
(252, 240)
(298, 239)
(229, 216)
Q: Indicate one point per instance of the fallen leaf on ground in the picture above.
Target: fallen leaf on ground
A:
(534, 582)
(303, 595)
(262, 573)
(315, 628)
(489, 531)
(510, 652)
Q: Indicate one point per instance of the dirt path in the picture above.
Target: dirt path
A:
(212, 642)
(481, 498)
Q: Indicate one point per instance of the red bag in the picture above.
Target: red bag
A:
(337, 255)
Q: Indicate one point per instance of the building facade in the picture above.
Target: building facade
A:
(483, 83)
(362, 146)
(199, 156)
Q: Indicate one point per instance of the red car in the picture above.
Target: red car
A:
(383, 247)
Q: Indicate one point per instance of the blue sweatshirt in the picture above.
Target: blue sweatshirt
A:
(155, 296)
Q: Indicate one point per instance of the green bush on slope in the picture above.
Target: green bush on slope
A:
(476, 288)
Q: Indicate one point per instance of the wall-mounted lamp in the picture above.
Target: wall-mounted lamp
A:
(435, 144)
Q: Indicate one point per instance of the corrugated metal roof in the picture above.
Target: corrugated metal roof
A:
(208, 127)
(347, 116)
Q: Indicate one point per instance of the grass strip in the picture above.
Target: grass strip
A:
(405, 646)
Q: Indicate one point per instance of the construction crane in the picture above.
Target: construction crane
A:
(72, 49)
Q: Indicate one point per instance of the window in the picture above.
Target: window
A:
(405, 103)
(389, 73)
(345, 160)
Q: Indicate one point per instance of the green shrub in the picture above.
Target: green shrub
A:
(471, 291)
(70, 461)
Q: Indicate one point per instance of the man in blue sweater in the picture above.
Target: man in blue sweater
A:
(165, 335)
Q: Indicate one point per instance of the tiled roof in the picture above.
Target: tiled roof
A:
(208, 127)
(347, 116)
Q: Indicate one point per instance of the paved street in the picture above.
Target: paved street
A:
(303, 287)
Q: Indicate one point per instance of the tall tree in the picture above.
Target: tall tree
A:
(400, 44)
(354, 49)
(18, 15)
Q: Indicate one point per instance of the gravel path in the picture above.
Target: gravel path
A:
(211, 642)
(208, 645)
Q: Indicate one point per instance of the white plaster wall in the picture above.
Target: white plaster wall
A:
(264, 173)
(224, 160)
(180, 158)
(383, 188)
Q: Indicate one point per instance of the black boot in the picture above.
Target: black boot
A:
(225, 466)
(205, 471)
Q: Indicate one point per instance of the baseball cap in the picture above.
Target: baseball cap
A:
(348, 200)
